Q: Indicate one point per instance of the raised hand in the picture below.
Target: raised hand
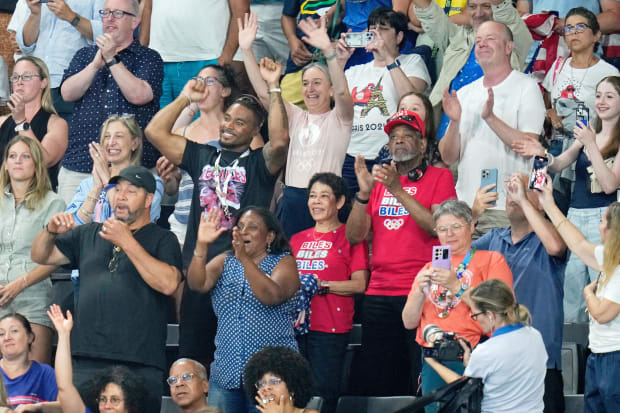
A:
(483, 200)
(364, 178)
(585, 134)
(272, 405)
(101, 171)
(487, 109)
(209, 229)
(451, 105)
(61, 222)
(515, 188)
(18, 107)
(343, 52)
(545, 194)
(34, 6)
(61, 10)
(239, 245)
(388, 176)
(315, 33)
(61, 324)
(195, 89)
(247, 30)
(270, 71)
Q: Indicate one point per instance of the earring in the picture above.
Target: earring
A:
(291, 396)
(269, 248)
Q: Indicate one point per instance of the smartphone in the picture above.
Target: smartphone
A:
(442, 257)
(488, 177)
(43, 1)
(537, 178)
(582, 113)
(358, 40)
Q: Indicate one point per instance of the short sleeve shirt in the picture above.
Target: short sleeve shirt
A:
(394, 269)
(605, 338)
(109, 297)
(104, 98)
(37, 385)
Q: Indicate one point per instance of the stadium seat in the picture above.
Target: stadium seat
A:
(168, 406)
(573, 403)
(570, 367)
(355, 343)
(316, 403)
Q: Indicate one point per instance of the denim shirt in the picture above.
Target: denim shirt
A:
(18, 228)
(58, 40)
(244, 324)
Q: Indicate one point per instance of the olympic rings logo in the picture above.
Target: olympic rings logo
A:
(393, 223)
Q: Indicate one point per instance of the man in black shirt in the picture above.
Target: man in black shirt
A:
(230, 179)
(128, 269)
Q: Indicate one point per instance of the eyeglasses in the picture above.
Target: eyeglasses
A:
(209, 80)
(114, 401)
(113, 264)
(444, 228)
(185, 377)
(26, 77)
(576, 29)
(274, 381)
(475, 316)
(117, 14)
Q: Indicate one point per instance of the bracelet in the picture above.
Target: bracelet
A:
(361, 201)
(189, 100)
(50, 232)
(560, 223)
(198, 255)
(331, 56)
(275, 90)
(92, 198)
(86, 214)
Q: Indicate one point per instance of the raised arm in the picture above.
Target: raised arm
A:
(68, 396)
(159, 275)
(62, 10)
(237, 9)
(273, 289)
(247, 34)
(573, 238)
(609, 178)
(146, 10)
(359, 223)
(276, 149)
(32, 26)
(450, 144)
(159, 130)
(202, 276)
(316, 36)
(43, 250)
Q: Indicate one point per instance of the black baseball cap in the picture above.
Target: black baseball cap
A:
(138, 176)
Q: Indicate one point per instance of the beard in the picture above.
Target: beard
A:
(132, 216)
(403, 156)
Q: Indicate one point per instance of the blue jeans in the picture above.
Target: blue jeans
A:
(325, 352)
(229, 400)
(431, 380)
(176, 75)
(577, 274)
(602, 392)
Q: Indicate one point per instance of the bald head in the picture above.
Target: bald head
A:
(494, 45)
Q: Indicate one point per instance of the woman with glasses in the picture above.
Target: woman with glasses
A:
(512, 363)
(120, 145)
(253, 290)
(278, 380)
(33, 113)
(320, 135)
(440, 296)
(27, 203)
(116, 389)
(602, 298)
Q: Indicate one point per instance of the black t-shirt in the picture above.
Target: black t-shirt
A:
(244, 178)
(118, 315)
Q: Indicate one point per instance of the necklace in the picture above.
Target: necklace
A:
(221, 188)
(572, 77)
(442, 298)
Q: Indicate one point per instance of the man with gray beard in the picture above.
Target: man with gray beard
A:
(397, 202)
(128, 269)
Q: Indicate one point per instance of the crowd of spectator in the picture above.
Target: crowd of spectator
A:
(266, 172)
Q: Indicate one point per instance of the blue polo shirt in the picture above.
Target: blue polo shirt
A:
(538, 284)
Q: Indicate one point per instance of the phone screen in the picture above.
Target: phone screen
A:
(537, 178)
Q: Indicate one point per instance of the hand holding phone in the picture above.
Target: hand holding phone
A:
(489, 177)
(358, 40)
(537, 177)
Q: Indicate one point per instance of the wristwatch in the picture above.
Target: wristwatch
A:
(113, 61)
(76, 20)
(24, 126)
(393, 65)
(464, 287)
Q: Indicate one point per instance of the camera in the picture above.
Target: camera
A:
(446, 346)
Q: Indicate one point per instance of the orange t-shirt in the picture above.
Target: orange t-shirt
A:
(483, 266)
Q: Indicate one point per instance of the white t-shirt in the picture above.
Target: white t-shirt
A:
(367, 135)
(189, 30)
(318, 144)
(519, 103)
(583, 81)
(605, 338)
(512, 367)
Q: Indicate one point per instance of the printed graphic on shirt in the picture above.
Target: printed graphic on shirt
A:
(393, 210)
(224, 193)
(452, 7)
(369, 98)
(311, 255)
(570, 91)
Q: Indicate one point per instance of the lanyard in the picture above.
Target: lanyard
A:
(221, 189)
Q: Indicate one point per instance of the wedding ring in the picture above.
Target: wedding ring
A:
(265, 400)
(97, 155)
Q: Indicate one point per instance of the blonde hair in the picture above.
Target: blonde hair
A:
(46, 97)
(129, 121)
(39, 184)
(611, 248)
(497, 297)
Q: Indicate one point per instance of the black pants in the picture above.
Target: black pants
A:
(85, 368)
(554, 392)
(390, 357)
(197, 327)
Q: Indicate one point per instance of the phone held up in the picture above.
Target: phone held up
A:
(537, 178)
(442, 257)
(358, 40)
(489, 177)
